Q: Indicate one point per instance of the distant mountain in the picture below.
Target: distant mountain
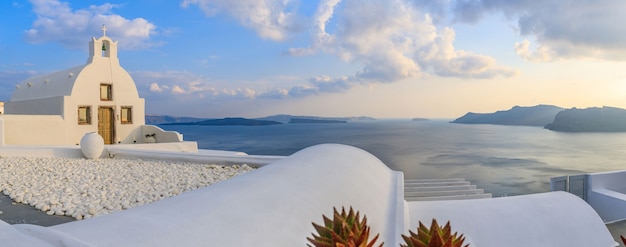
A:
(419, 119)
(283, 118)
(605, 119)
(230, 121)
(316, 121)
(161, 119)
(539, 115)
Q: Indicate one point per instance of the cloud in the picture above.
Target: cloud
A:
(58, 22)
(183, 85)
(327, 84)
(393, 40)
(275, 94)
(271, 19)
(541, 54)
(154, 87)
(561, 29)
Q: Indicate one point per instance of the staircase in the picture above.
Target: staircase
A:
(441, 189)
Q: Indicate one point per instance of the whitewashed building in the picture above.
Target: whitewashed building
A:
(59, 108)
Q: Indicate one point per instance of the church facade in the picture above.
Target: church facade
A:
(59, 108)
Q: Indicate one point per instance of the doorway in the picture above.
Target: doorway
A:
(106, 128)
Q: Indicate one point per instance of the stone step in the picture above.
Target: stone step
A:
(443, 193)
(435, 184)
(440, 188)
(453, 197)
(428, 180)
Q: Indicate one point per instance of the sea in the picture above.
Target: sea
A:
(502, 160)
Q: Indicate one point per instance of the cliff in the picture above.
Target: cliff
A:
(539, 115)
(595, 119)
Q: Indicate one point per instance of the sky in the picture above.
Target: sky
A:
(377, 58)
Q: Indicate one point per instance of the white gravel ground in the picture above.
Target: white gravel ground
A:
(83, 188)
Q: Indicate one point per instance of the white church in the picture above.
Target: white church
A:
(61, 107)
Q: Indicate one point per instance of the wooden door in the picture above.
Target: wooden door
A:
(105, 124)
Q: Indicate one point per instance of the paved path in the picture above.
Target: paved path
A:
(17, 213)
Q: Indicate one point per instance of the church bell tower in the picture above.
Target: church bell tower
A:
(102, 48)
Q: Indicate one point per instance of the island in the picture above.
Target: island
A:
(315, 121)
(538, 115)
(229, 121)
(162, 119)
(419, 119)
(594, 119)
(284, 118)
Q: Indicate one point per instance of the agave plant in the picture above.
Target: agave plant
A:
(436, 236)
(344, 230)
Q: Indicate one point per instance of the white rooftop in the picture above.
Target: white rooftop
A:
(275, 205)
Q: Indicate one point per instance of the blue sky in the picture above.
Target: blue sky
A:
(379, 58)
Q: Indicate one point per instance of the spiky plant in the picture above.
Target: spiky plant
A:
(623, 239)
(344, 230)
(436, 236)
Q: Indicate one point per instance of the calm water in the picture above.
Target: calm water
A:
(503, 160)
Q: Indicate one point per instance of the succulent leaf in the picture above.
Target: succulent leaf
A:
(435, 236)
(344, 230)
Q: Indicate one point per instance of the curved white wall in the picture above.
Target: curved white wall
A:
(271, 206)
(538, 220)
(275, 205)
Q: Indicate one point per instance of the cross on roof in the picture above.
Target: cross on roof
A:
(104, 30)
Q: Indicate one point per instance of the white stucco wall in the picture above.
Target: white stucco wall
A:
(275, 205)
(32, 129)
(1, 130)
(271, 206)
(61, 93)
(538, 220)
(160, 135)
(44, 106)
(606, 193)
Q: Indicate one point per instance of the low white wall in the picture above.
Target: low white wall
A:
(182, 146)
(610, 205)
(608, 180)
(547, 219)
(606, 193)
(160, 134)
(41, 151)
(203, 156)
(1, 131)
(33, 129)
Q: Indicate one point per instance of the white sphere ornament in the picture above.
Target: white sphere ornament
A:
(92, 145)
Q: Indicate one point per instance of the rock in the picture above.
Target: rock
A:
(69, 186)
